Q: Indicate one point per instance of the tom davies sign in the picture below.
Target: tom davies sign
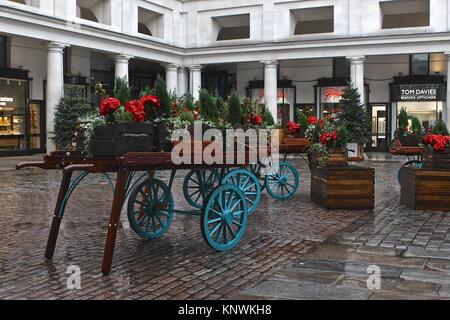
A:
(418, 92)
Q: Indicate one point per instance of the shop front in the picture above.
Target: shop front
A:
(422, 97)
(22, 121)
(328, 93)
(286, 98)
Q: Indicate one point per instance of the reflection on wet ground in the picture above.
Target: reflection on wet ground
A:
(292, 249)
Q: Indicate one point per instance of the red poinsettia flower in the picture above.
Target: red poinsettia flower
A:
(293, 127)
(325, 138)
(134, 106)
(312, 120)
(334, 136)
(139, 116)
(438, 142)
(258, 120)
(109, 105)
(153, 100)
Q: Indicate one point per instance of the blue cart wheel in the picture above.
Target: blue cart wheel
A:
(150, 208)
(224, 218)
(248, 184)
(282, 181)
(257, 170)
(198, 184)
(413, 163)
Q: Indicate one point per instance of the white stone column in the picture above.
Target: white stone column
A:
(172, 77)
(183, 81)
(270, 87)
(121, 65)
(55, 86)
(196, 81)
(446, 108)
(357, 75)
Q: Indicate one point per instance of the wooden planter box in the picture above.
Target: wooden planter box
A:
(425, 189)
(120, 138)
(162, 140)
(338, 158)
(350, 188)
(436, 160)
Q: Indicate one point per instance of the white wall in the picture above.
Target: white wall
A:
(31, 55)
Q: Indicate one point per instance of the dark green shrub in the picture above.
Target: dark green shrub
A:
(403, 119)
(69, 110)
(235, 111)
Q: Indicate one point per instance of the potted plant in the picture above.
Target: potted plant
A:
(67, 134)
(355, 119)
(329, 148)
(437, 151)
(121, 126)
(408, 137)
(161, 116)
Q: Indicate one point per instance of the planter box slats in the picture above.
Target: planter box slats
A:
(425, 189)
(437, 160)
(120, 138)
(351, 188)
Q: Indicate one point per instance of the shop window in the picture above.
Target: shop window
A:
(13, 101)
(94, 10)
(419, 64)
(405, 13)
(150, 23)
(313, 20)
(341, 68)
(232, 27)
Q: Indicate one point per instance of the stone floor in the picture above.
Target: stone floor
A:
(291, 250)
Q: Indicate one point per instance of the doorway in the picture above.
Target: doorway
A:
(37, 126)
(379, 113)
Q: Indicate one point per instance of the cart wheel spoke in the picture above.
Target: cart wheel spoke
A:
(282, 181)
(217, 221)
(155, 205)
(248, 184)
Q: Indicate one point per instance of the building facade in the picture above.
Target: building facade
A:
(288, 54)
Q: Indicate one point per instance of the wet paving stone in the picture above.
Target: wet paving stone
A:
(292, 249)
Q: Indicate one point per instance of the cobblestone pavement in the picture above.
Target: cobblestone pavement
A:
(179, 265)
(286, 242)
(410, 248)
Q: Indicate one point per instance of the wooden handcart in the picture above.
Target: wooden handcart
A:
(224, 213)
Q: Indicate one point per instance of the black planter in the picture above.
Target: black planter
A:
(409, 141)
(163, 137)
(120, 138)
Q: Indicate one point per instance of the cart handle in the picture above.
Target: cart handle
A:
(78, 167)
(35, 164)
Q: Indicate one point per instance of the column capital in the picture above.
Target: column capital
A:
(270, 63)
(171, 66)
(122, 57)
(356, 59)
(195, 67)
(56, 46)
(182, 68)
